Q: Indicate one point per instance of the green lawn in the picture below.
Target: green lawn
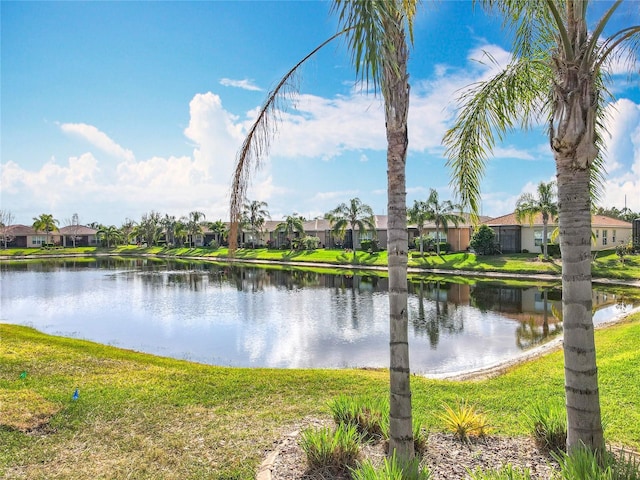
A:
(606, 265)
(140, 416)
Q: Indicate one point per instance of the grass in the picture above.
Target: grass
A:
(606, 265)
(140, 416)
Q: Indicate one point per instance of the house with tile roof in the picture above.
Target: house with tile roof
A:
(23, 236)
(514, 237)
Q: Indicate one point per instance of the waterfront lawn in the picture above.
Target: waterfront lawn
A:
(139, 416)
(606, 264)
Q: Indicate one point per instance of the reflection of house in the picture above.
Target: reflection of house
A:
(514, 237)
(21, 236)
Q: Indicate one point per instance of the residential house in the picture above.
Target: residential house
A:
(514, 237)
(22, 236)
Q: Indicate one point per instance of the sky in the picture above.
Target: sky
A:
(110, 110)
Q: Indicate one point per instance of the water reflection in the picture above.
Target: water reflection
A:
(230, 315)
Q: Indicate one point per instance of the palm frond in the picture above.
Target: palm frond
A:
(258, 140)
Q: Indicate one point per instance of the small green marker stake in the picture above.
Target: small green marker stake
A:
(23, 375)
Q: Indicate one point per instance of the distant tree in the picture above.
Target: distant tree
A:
(442, 213)
(180, 232)
(220, 230)
(149, 228)
(483, 240)
(254, 216)
(110, 235)
(351, 215)
(194, 227)
(544, 204)
(625, 214)
(6, 221)
(419, 214)
(127, 229)
(291, 225)
(74, 227)
(45, 223)
(168, 223)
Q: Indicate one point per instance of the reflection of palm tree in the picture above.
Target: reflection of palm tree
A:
(528, 334)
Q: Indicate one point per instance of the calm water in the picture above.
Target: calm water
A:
(253, 317)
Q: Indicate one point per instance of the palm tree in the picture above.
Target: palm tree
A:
(45, 223)
(377, 38)
(442, 214)
(169, 222)
(149, 228)
(127, 229)
(528, 206)
(109, 233)
(418, 214)
(193, 225)
(558, 73)
(291, 225)
(351, 215)
(219, 228)
(254, 215)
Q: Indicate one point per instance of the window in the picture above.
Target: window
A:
(613, 237)
(597, 234)
(604, 237)
(38, 240)
(537, 237)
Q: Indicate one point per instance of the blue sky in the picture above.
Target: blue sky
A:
(113, 109)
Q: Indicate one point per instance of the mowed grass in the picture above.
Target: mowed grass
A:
(139, 416)
(606, 265)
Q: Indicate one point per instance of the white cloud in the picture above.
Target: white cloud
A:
(98, 139)
(245, 84)
(337, 195)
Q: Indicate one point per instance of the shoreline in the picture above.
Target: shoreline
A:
(547, 277)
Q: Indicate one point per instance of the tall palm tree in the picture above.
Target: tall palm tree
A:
(254, 216)
(528, 206)
(558, 73)
(351, 215)
(419, 215)
(45, 223)
(377, 38)
(292, 224)
(442, 213)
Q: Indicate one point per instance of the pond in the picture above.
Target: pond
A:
(254, 317)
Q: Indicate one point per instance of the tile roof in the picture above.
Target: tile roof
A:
(598, 221)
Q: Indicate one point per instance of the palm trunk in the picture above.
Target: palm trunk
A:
(396, 96)
(584, 425)
(545, 250)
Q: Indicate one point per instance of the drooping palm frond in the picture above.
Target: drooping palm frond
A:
(514, 97)
(258, 140)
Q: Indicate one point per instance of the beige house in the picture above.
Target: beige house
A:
(514, 237)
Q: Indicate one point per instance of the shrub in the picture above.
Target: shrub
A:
(507, 472)
(213, 244)
(420, 436)
(483, 240)
(391, 469)
(370, 246)
(583, 463)
(369, 417)
(334, 451)
(464, 421)
(310, 243)
(548, 424)
(553, 250)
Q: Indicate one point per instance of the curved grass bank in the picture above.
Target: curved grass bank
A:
(607, 264)
(139, 416)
